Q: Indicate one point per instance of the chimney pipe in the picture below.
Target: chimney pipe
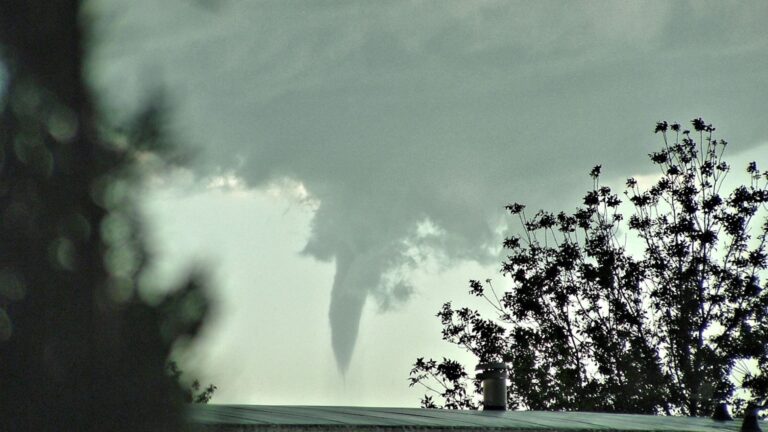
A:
(494, 380)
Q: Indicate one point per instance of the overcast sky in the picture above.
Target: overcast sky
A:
(354, 158)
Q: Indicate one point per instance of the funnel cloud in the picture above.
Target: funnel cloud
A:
(347, 299)
(395, 114)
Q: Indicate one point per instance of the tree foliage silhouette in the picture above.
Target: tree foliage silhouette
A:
(587, 325)
(79, 347)
(192, 392)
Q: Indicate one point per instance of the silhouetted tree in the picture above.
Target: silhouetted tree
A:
(587, 325)
(79, 348)
(192, 393)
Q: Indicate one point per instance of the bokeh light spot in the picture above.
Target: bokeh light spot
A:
(62, 253)
(121, 261)
(115, 229)
(62, 125)
(12, 287)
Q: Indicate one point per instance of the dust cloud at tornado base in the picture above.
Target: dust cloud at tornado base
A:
(394, 116)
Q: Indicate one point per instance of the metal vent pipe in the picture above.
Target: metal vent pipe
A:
(494, 382)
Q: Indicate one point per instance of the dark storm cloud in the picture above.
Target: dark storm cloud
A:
(392, 113)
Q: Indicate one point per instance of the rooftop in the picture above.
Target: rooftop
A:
(327, 418)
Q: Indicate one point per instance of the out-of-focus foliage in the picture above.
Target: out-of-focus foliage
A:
(80, 350)
(587, 325)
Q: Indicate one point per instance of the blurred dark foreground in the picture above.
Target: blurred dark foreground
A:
(80, 350)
